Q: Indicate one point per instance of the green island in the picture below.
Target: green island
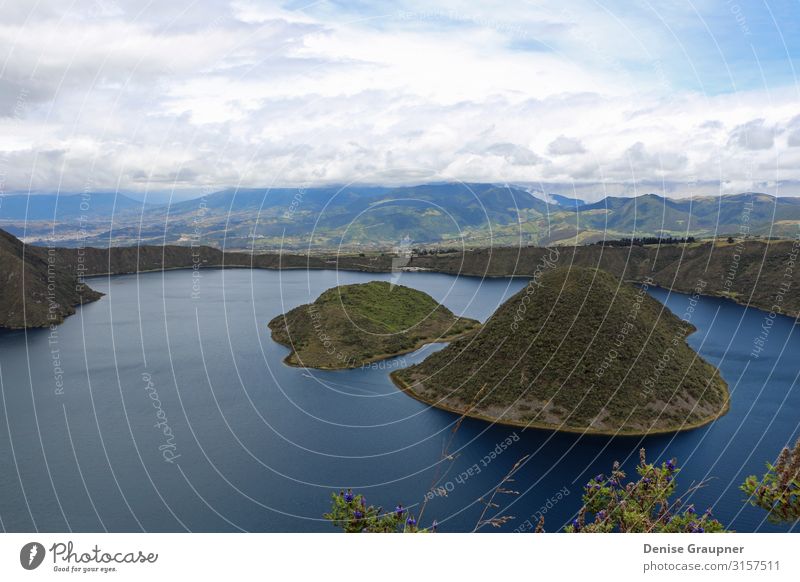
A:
(576, 350)
(353, 325)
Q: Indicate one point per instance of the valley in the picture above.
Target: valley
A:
(373, 219)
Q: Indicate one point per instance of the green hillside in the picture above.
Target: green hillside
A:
(352, 325)
(35, 292)
(363, 218)
(578, 350)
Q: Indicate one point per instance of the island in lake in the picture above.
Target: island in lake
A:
(576, 350)
(353, 325)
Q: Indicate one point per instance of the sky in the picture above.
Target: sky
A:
(197, 96)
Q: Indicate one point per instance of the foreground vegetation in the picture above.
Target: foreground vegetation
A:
(610, 504)
(778, 491)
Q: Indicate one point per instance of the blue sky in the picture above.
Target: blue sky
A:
(742, 46)
(197, 95)
(719, 46)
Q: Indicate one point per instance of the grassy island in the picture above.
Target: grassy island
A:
(576, 350)
(352, 325)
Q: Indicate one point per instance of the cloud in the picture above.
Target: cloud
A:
(213, 93)
(515, 155)
(563, 146)
(753, 135)
(793, 139)
(712, 125)
(641, 162)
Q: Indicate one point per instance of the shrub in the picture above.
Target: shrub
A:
(639, 506)
(350, 512)
(778, 491)
(609, 505)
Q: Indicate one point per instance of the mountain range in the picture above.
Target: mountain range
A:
(383, 218)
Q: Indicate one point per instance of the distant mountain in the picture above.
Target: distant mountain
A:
(33, 291)
(382, 218)
(68, 219)
(338, 217)
(579, 351)
(36, 207)
(651, 214)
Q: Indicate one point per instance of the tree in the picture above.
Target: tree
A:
(778, 491)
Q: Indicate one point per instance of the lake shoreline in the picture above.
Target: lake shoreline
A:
(379, 358)
(403, 387)
(790, 315)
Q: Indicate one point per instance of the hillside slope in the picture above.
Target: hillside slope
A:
(575, 350)
(749, 272)
(35, 292)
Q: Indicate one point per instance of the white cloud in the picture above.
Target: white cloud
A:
(514, 154)
(214, 93)
(753, 135)
(793, 139)
(564, 146)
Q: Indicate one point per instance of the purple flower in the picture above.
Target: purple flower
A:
(599, 478)
(357, 514)
(670, 465)
(399, 510)
(700, 530)
(411, 522)
(349, 496)
(690, 510)
(576, 525)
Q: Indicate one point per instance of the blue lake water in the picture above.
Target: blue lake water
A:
(259, 446)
